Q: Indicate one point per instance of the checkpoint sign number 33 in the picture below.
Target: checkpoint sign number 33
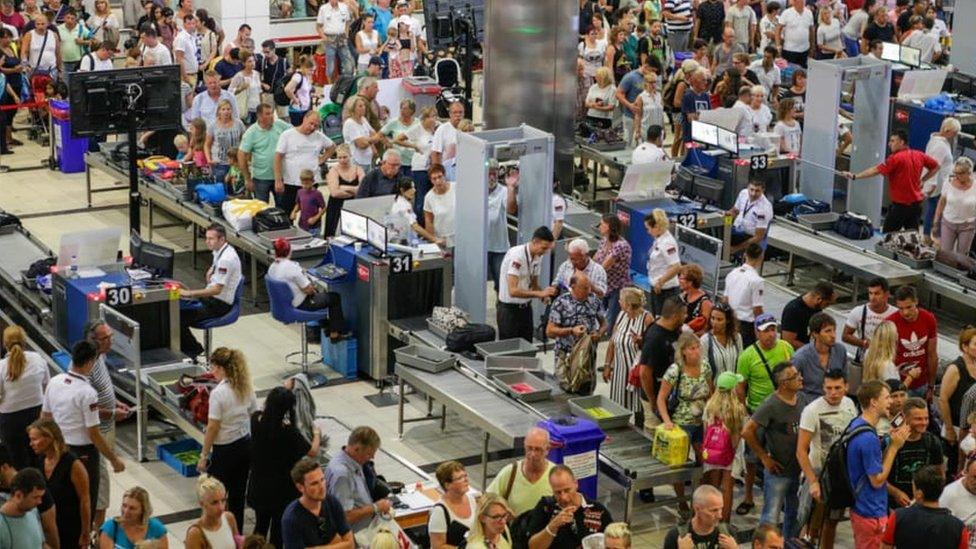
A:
(118, 296)
(758, 162)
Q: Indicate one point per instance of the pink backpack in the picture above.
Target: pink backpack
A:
(717, 446)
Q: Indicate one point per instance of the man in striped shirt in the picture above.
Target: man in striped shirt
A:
(99, 334)
(678, 22)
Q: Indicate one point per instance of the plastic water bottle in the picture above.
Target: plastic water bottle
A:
(74, 266)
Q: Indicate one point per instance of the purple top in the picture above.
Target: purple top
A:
(309, 203)
(618, 275)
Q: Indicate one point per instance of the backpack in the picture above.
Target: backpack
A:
(853, 226)
(195, 394)
(463, 338)
(810, 206)
(717, 446)
(580, 371)
(835, 483)
(667, 97)
(280, 97)
(344, 88)
(270, 219)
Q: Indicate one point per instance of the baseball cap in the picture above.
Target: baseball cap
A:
(728, 380)
(376, 60)
(764, 321)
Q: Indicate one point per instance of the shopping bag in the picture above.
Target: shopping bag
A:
(382, 524)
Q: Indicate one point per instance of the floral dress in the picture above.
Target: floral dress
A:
(692, 394)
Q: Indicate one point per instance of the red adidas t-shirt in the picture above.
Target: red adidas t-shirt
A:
(913, 339)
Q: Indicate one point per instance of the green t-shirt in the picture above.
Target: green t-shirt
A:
(524, 495)
(22, 531)
(71, 51)
(261, 145)
(750, 366)
(395, 127)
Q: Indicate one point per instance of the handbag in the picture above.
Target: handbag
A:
(674, 397)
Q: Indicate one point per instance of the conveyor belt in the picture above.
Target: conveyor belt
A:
(796, 239)
(19, 251)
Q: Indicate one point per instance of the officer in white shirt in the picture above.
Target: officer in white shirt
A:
(72, 403)
(304, 294)
(98, 60)
(744, 292)
(752, 212)
(863, 320)
(217, 298)
(650, 150)
(521, 268)
(663, 259)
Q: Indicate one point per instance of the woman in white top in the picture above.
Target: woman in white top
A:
(601, 99)
(858, 21)
(217, 528)
(209, 40)
(402, 219)
(367, 42)
(439, 206)
(759, 111)
(361, 137)
(650, 108)
(453, 516)
(663, 261)
(104, 24)
(829, 43)
(226, 452)
(788, 129)
(722, 343)
(299, 91)
(23, 377)
(592, 54)
(939, 147)
(248, 83)
(420, 138)
(41, 47)
(625, 347)
(956, 212)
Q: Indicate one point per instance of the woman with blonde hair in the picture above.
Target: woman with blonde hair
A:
(601, 99)
(383, 539)
(226, 442)
(617, 531)
(23, 377)
(663, 260)
(625, 347)
(135, 526)
(879, 359)
(223, 135)
(217, 528)
(491, 527)
(67, 483)
(343, 181)
(359, 134)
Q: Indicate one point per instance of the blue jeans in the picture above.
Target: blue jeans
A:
(422, 182)
(929, 204)
(262, 189)
(337, 49)
(781, 492)
(220, 172)
(611, 302)
(495, 267)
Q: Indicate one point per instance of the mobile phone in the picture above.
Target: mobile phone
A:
(898, 420)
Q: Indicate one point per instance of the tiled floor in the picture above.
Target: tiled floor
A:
(34, 192)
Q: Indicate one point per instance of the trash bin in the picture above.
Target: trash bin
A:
(575, 442)
(68, 151)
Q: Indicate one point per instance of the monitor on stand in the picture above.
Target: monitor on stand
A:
(708, 190)
(157, 259)
(376, 237)
(684, 182)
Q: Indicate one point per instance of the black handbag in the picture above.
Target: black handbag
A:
(853, 226)
(464, 338)
(270, 219)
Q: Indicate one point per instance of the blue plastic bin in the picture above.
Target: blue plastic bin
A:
(69, 151)
(167, 453)
(340, 356)
(576, 442)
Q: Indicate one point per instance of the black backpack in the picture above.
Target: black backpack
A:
(270, 219)
(344, 88)
(810, 206)
(463, 338)
(280, 97)
(853, 226)
(835, 484)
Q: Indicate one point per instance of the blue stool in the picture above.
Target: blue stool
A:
(283, 311)
(231, 317)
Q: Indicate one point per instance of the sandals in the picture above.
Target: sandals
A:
(745, 508)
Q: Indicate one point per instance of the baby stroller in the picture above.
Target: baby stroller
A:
(38, 130)
(447, 72)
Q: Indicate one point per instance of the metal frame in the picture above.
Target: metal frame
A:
(89, 190)
(126, 327)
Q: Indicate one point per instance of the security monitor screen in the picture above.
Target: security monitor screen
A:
(727, 140)
(911, 56)
(354, 225)
(704, 133)
(891, 52)
(376, 234)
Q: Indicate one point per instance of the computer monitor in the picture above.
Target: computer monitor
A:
(891, 52)
(684, 181)
(708, 190)
(376, 235)
(135, 246)
(354, 225)
(157, 259)
(910, 56)
(728, 140)
(704, 133)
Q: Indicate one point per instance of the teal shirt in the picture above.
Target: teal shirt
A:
(750, 366)
(22, 531)
(71, 51)
(261, 145)
(394, 128)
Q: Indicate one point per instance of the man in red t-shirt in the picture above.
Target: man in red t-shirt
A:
(918, 339)
(903, 168)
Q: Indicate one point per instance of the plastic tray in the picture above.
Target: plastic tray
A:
(880, 249)
(507, 347)
(436, 329)
(818, 221)
(620, 417)
(501, 364)
(427, 359)
(167, 453)
(914, 263)
(541, 389)
(947, 270)
(159, 380)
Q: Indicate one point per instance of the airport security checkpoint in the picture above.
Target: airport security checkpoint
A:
(444, 273)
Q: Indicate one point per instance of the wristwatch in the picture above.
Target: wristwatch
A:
(376, 509)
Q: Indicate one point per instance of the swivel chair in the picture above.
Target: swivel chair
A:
(208, 324)
(283, 311)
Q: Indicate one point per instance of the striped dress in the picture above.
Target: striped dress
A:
(625, 355)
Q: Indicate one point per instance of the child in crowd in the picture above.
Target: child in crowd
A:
(198, 143)
(182, 145)
(968, 444)
(234, 181)
(787, 128)
(724, 418)
(310, 204)
(391, 53)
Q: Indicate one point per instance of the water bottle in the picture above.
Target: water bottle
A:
(74, 266)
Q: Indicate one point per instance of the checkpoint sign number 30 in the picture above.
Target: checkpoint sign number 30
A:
(118, 296)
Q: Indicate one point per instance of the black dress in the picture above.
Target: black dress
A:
(334, 207)
(270, 489)
(66, 502)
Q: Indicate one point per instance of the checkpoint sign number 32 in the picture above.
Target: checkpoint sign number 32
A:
(688, 219)
(118, 296)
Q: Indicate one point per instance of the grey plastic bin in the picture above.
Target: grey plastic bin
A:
(540, 389)
(427, 359)
(501, 364)
(620, 417)
(507, 347)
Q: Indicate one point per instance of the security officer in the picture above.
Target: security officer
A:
(217, 298)
(752, 212)
(520, 269)
(663, 260)
(744, 292)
